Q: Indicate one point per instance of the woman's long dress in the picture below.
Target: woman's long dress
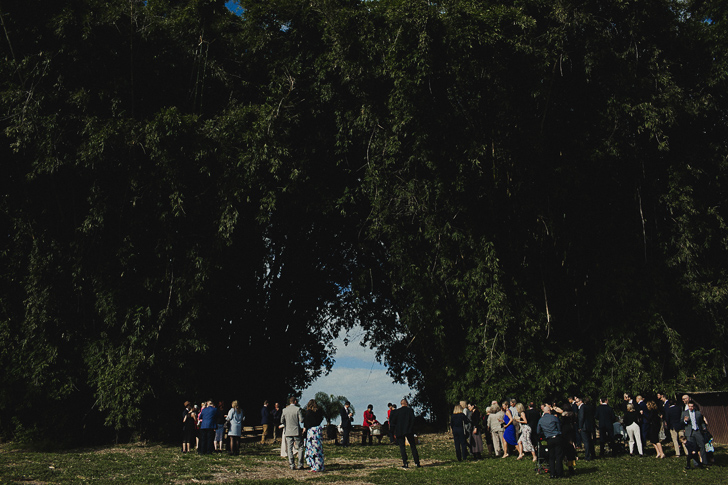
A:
(509, 433)
(655, 425)
(525, 438)
(315, 448)
(476, 438)
(284, 448)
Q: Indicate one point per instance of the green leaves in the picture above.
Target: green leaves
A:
(498, 194)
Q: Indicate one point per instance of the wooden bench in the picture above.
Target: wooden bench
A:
(252, 433)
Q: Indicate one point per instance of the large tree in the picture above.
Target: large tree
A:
(509, 197)
(172, 218)
(521, 168)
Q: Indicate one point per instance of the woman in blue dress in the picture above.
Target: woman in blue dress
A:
(509, 429)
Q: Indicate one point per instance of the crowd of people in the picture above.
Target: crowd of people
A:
(301, 430)
(550, 432)
(205, 426)
(511, 427)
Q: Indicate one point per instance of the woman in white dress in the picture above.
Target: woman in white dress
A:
(524, 441)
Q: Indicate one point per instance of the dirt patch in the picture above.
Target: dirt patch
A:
(273, 470)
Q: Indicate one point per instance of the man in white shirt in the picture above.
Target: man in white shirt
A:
(694, 426)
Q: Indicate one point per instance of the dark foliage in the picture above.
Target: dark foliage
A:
(509, 198)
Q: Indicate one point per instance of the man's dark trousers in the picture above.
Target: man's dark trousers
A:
(345, 436)
(588, 444)
(207, 437)
(403, 448)
(606, 436)
(556, 456)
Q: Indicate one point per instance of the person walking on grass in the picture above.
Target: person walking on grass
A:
(403, 422)
(291, 421)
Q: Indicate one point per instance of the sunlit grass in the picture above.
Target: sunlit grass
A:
(378, 464)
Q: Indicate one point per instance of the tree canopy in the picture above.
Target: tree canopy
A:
(509, 197)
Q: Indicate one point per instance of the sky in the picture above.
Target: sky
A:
(234, 7)
(360, 378)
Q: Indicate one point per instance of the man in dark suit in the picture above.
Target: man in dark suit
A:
(575, 410)
(403, 421)
(586, 428)
(676, 426)
(694, 427)
(346, 415)
(605, 415)
(665, 406)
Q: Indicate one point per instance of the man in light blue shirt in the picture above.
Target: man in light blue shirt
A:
(550, 428)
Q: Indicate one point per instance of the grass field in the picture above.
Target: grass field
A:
(378, 464)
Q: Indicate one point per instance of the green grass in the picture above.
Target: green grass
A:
(378, 464)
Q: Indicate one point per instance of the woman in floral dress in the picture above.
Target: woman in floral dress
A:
(314, 437)
(524, 441)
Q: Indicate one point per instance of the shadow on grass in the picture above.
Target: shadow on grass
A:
(255, 451)
(433, 464)
(340, 467)
(584, 471)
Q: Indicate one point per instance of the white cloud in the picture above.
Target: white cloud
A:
(354, 350)
(361, 387)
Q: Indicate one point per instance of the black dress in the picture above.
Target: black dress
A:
(568, 425)
(189, 428)
(655, 424)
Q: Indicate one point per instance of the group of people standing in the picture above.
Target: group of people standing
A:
(204, 426)
(401, 423)
(506, 426)
(511, 425)
(687, 427)
(303, 435)
(302, 431)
